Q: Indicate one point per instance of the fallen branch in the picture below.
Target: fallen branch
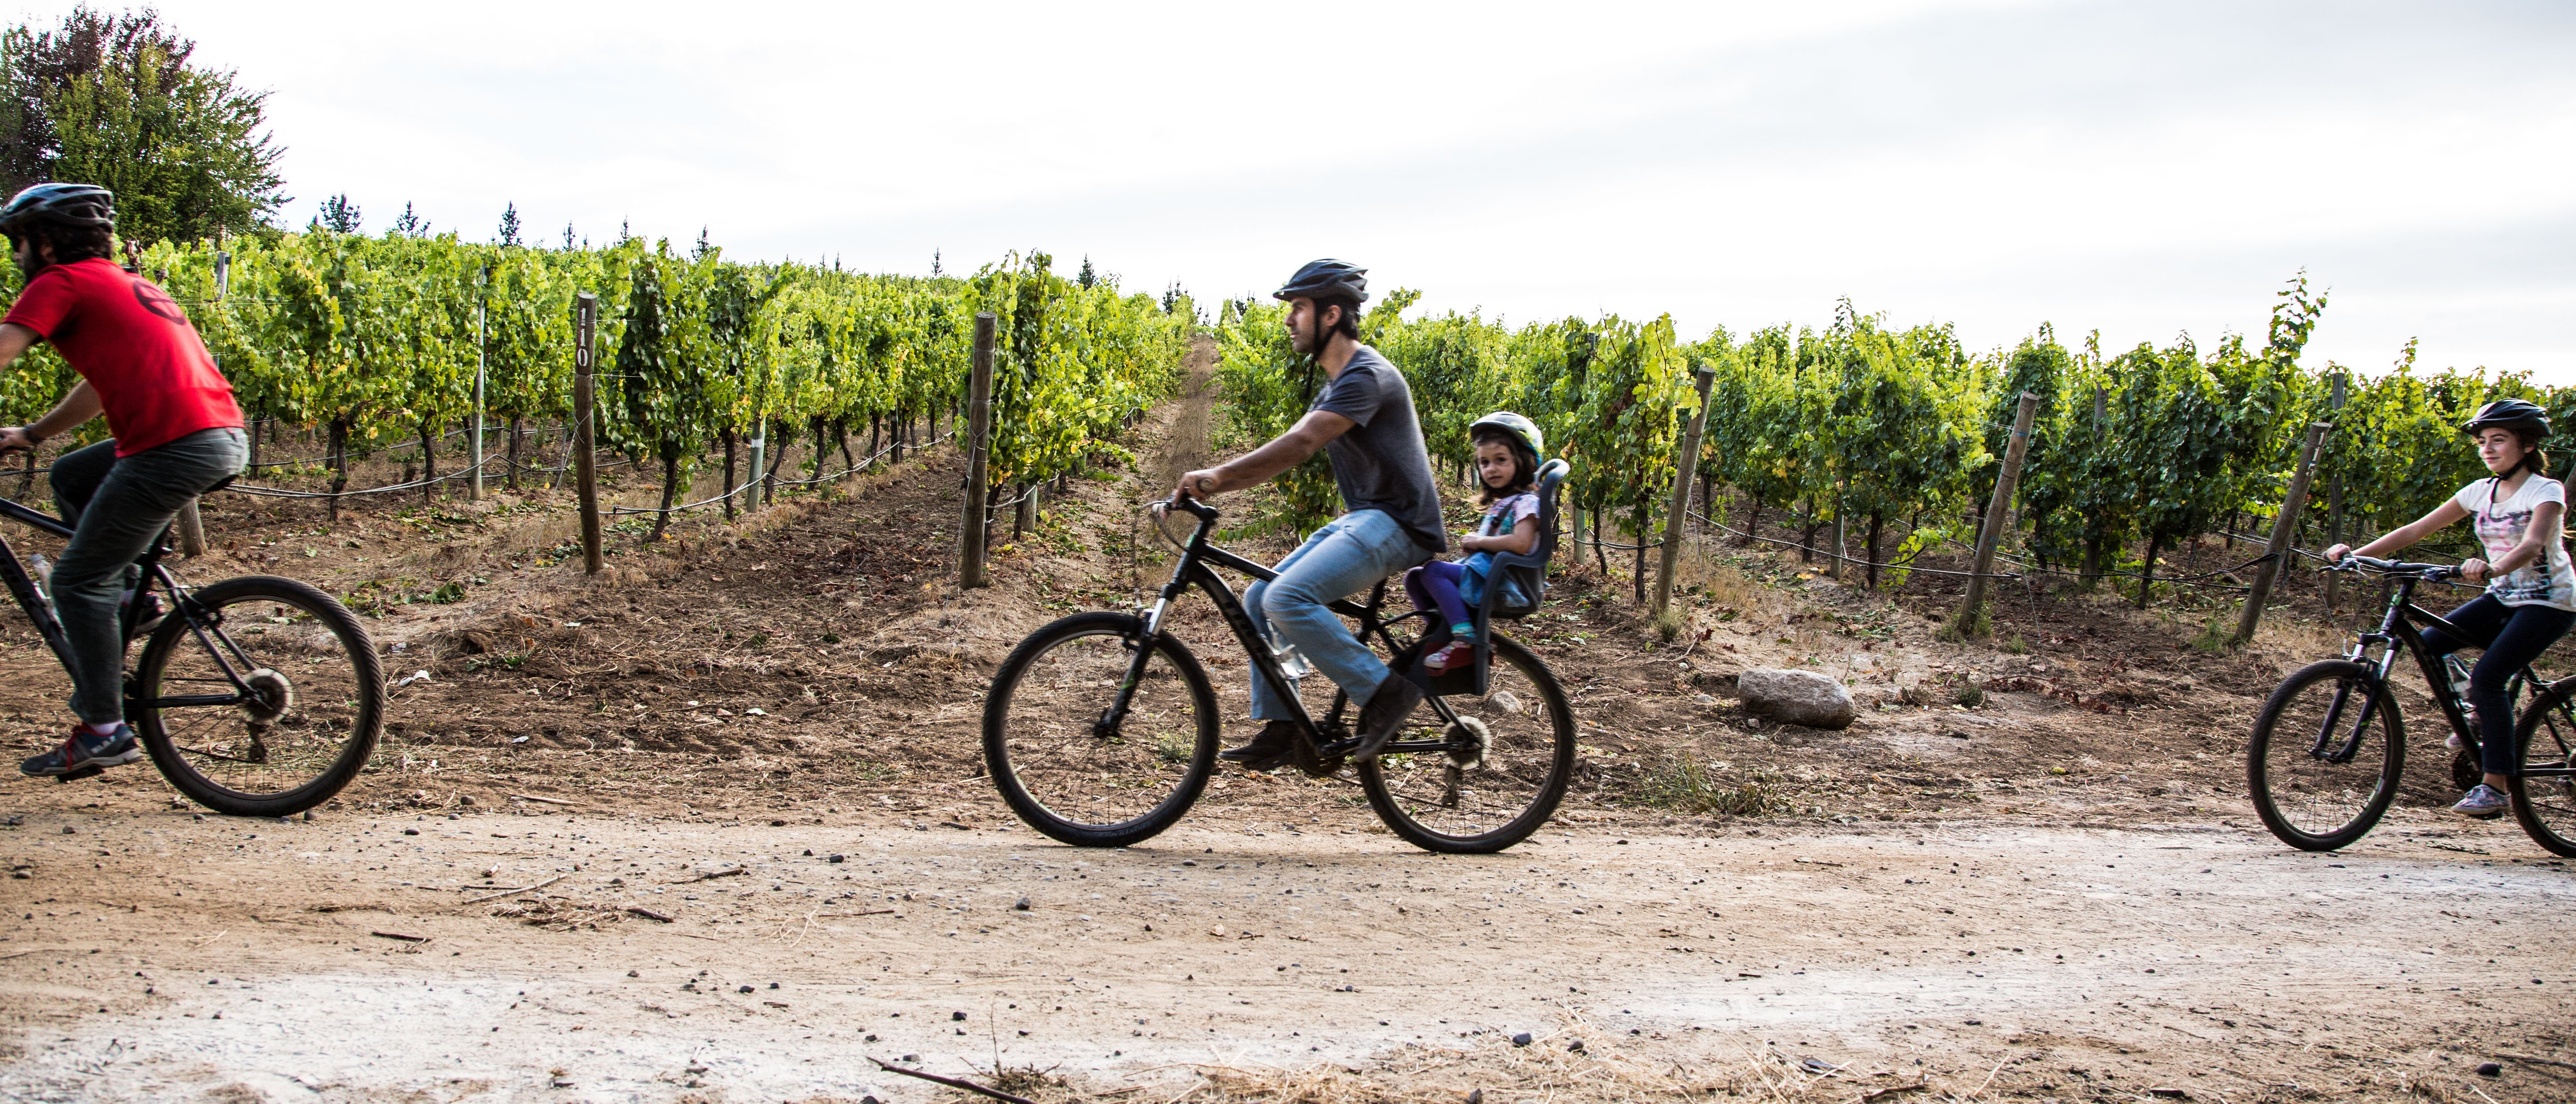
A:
(648, 914)
(28, 951)
(714, 876)
(521, 889)
(2537, 1061)
(951, 1082)
(400, 936)
(547, 800)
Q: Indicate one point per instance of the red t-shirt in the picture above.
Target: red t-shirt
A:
(135, 347)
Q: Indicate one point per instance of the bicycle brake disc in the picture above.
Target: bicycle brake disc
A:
(271, 695)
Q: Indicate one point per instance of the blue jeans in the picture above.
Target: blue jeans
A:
(1345, 557)
(117, 508)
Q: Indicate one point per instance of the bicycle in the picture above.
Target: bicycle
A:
(254, 696)
(1101, 729)
(2323, 767)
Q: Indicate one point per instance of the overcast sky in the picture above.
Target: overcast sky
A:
(2144, 170)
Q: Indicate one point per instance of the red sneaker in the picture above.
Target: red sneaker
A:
(1458, 654)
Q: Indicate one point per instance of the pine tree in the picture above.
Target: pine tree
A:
(567, 237)
(934, 264)
(1086, 277)
(704, 247)
(411, 225)
(340, 216)
(510, 225)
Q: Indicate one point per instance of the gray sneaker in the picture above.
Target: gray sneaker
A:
(2483, 802)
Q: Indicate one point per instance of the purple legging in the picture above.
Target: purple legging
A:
(1435, 585)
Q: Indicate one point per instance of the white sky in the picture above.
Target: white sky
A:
(2140, 169)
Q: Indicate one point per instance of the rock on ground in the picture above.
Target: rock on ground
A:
(1795, 697)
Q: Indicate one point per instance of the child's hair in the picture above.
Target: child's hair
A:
(1524, 465)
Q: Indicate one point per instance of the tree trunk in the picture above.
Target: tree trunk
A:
(786, 436)
(1874, 520)
(1807, 537)
(876, 445)
(1752, 520)
(428, 463)
(339, 452)
(841, 433)
(728, 474)
(1599, 555)
(1640, 517)
(2147, 572)
(254, 452)
(670, 486)
(2089, 575)
(814, 463)
(903, 421)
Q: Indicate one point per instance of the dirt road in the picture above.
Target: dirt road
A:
(165, 957)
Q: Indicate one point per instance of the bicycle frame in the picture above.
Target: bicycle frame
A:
(22, 587)
(1197, 568)
(2397, 632)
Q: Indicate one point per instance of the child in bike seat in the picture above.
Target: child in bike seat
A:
(1507, 451)
(2519, 515)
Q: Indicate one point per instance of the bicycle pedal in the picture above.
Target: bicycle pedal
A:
(93, 770)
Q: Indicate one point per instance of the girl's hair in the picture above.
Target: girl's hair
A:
(1524, 465)
(2537, 458)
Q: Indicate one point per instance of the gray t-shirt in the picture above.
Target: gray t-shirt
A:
(1380, 464)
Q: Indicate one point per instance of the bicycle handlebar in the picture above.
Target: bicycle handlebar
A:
(2428, 572)
(1196, 508)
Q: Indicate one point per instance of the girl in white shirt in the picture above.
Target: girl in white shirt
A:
(2519, 514)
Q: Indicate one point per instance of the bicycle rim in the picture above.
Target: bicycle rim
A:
(2322, 768)
(307, 730)
(2544, 791)
(1068, 780)
(1460, 802)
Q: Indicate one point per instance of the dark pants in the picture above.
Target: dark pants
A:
(2513, 636)
(1435, 586)
(117, 509)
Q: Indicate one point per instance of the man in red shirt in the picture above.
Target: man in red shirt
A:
(176, 434)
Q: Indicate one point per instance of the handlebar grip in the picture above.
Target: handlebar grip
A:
(1197, 509)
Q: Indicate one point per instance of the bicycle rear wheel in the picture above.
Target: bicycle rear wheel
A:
(1065, 776)
(2326, 756)
(305, 725)
(1509, 758)
(2544, 791)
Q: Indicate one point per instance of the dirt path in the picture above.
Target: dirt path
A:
(164, 957)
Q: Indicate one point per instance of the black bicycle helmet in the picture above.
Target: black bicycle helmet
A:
(79, 206)
(1327, 281)
(2525, 418)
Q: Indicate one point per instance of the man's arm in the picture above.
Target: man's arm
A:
(1256, 467)
(78, 405)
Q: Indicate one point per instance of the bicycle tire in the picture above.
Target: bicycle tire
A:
(331, 719)
(1552, 753)
(2312, 785)
(1044, 794)
(2547, 737)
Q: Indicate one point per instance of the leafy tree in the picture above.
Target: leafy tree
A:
(113, 100)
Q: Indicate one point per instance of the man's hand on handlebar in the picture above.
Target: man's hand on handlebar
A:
(17, 439)
(1197, 484)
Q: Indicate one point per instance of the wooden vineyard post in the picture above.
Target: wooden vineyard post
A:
(584, 402)
(1680, 510)
(192, 528)
(979, 426)
(2283, 524)
(2334, 502)
(1990, 529)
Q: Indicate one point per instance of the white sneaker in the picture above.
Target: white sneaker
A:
(2483, 802)
(2455, 743)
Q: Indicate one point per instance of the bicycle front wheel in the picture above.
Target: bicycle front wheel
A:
(1487, 780)
(1074, 778)
(2544, 790)
(2327, 752)
(259, 696)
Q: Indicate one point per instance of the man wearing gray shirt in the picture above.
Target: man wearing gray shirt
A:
(1364, 421)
